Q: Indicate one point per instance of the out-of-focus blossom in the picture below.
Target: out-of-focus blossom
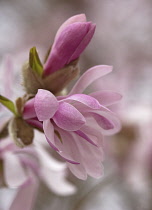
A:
(17, 173)
(24, 168)
(74, 125)
(10, 162)
(70, 41)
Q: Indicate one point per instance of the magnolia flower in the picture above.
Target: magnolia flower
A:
(74, 125)
(70, 41)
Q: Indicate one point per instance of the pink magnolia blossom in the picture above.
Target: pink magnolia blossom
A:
(70, 41)
(74, 125)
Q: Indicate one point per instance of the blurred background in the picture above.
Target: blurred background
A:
(123, 39)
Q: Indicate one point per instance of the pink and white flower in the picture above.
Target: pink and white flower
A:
(74, 125)
(23, 168)
(71, 39)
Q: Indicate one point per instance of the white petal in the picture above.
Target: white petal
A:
(14, 172)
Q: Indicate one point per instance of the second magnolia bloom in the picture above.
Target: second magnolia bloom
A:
(74, 125)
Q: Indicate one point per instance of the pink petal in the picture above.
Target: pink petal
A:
(73, 19)
(34, 122)
(103, 121)
(26, 196)
(109, 119)
(84, 43)
(29, 110)
(68, 149)
(68, 160)
(14, 172)
(91, 157)
(66, 45)
(89, 77)
(84, 136)
(85, 99)
(68, 117)
(84, 109)
(78, 171)
(45, 104)
(106, 98)
(93, 133)
(49, 133)
(52, 145)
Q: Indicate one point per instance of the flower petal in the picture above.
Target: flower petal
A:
(93, 133)
(52, 145)
(109, 123)
(45, 104)
(68, 159)
(14, 172)
(103, 121)
(49, 133)
(91, 157)
(68, 117)
(83, 43)
(106, 97)
(29, 110)
(84, 136)
(35, 123)
(89, 77)
(73, 19)
(25, 196)
(85, 99)
(78, 171)
(68, 149)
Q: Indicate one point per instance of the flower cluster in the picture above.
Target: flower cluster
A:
(74, 125)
